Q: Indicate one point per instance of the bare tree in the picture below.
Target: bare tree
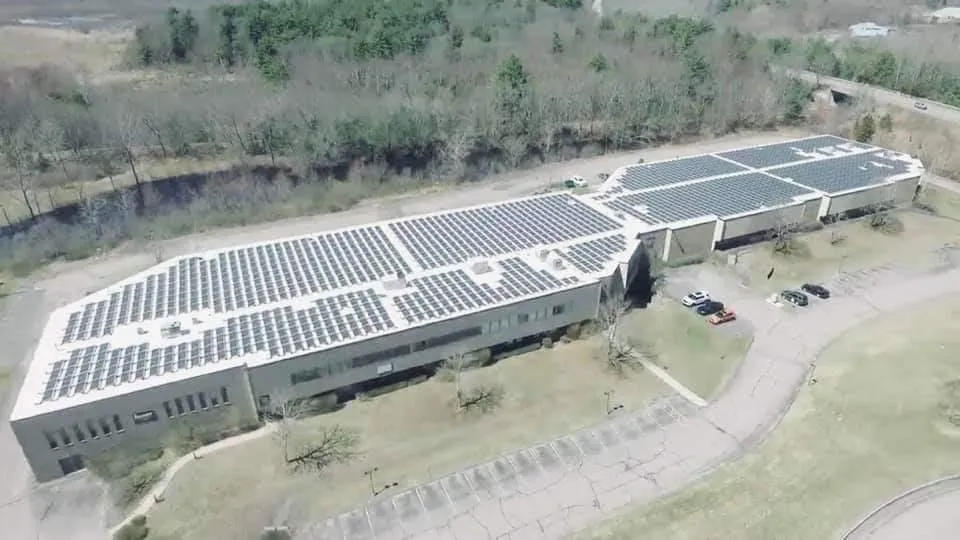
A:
(483, 397)
(124, 138)
(17, 150)
(783, 234)
(617, 351)
(332, 445)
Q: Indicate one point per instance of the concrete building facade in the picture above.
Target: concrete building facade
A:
(218, 333)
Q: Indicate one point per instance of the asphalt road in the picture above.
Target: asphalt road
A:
(941, 111)
(566, 485)
(929, 512)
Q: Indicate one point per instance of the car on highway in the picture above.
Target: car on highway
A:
(816, 290)
(796, 298)
(695, 298)
(709, 308)
(723, 316)
(920, 105)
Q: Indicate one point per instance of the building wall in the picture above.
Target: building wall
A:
(92, 428)
(338, 368)
(691, 243)
(860, 199)
(656, 242)
(765, 221)
(903, 192)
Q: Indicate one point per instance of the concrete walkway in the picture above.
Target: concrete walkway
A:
(927, 512)
(156, 494)
(562, 486)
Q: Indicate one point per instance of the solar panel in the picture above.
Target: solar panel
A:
(593, 255)
(723, 197)
(840, 174)
(455, 237)
(759, 157)
(453, 292)
(664, 173)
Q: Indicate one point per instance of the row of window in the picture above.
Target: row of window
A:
(105, 427)
(101, 427)
(187, 404)
(333, 368)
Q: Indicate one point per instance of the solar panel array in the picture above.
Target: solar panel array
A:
(242, 278)
(450, 293)
(275, 332)
(593, 255)
(665, 173)
(455, 237)
(723, 196)
(330, 271)
(844, 173)
(772, 155)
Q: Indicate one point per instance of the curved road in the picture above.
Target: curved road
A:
(564, 485)
(928, 512)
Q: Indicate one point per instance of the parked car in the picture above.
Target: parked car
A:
(695, 298)
(709, 308)
(920, 105)
(575, 182)
(796, 298)
(817, 290)
(723, 316)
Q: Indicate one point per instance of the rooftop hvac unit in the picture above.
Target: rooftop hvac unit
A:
(481, 267)
(395, 282)
(544, 253)
(558, 264)
(171, 330)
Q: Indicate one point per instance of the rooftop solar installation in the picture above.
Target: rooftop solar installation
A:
(664, 173)
(291, 296)
(723, 197)
(759, 157)
(841, 174)
(454, 237)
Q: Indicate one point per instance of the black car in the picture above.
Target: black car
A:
(795, 297)
(817, 290)
(709, 308)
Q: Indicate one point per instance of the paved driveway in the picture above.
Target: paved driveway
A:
(564, 485)
(928, 512)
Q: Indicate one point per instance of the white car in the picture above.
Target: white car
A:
(575, 182)
(695, 298)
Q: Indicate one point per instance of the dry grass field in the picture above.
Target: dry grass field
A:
(874, 424)
(852, 246)
(415, 433)
(95, 54)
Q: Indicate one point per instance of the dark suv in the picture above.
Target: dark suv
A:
(795, 297)
(709, 308)
(817, 290)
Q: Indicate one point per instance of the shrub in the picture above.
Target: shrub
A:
(573, 331)
(547, 343)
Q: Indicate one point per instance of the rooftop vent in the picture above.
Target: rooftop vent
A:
(558, 264)
(543, 254)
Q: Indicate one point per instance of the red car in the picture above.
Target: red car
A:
(724, 316)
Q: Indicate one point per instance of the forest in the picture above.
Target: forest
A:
(314, 104)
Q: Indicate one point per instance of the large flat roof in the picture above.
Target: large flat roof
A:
(264, 302)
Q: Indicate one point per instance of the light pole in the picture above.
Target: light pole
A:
(606, 402)
(369, 473)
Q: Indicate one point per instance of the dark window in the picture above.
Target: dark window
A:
(306, 375)
(65, 437)
(144, 417)
(191, 404)
(104, 426)
(224, 395)
(167, 409)
(51, 441)
(446, 339)
(380, 356)
(523, 318)
(202, 398)
(558, 310)
(179, 404)
(214, 401)
(79, 433)
(92, 429)
(116, 422)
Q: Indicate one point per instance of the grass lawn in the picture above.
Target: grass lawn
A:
(861, 247)
(698, 355)
(875, 424)
(414, 434)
